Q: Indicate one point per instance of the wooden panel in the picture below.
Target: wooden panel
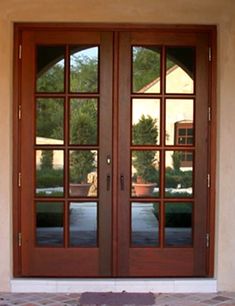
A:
(63, 262)
(161, 262)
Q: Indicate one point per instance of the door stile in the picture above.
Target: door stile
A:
(124, 155)
(115, 144)
(201, 163)
(106, 156)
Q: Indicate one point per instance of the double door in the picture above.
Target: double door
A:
(112, 153)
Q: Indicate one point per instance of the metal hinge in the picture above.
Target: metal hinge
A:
(209, 113)
(208, 180)
(20, 239)
(209, 54)
(20, 51)
(19, 179)
(19, 112)
(207, 240)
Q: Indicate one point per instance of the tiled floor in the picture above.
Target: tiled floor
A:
(50, 299)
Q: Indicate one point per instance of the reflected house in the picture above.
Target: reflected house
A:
(179, 122)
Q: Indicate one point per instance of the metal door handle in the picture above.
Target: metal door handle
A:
(108, 182)
(122, 183)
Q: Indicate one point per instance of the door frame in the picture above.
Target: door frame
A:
(209, 30)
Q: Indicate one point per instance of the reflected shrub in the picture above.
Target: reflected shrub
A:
(49, 178)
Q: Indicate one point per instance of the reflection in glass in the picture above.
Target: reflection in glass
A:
(83, 224)
(50, 121)
(146, 64)
(145, 121)
(83, 173)
(49, 222)
(49, 173)
(180, 70)
(50, 68)
(145, 173)
(179, 122)
(179, 174)
(83, 121)
(145, 224)
(84, 69)
(178, 224)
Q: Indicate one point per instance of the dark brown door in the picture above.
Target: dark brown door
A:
(113, 153)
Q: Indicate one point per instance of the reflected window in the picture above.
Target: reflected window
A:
(179, 122)
(184, 133)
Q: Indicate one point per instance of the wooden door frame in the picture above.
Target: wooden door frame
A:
(212, 52)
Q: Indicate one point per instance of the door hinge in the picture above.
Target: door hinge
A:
(20, 52)
(209, 113)
(19, 179)
(19, 239)
(207, 240)
(208, 180)
(209, 54)
(19, 112)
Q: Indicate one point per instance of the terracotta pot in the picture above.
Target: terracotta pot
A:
(79, 190)
(144, 189)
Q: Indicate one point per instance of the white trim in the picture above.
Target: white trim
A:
(114, 285)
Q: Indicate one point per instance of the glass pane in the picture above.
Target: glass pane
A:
(83, 121)
(179, 121)
(49, 222)
(83, 224)
(84, 69)
(145, 224)
(50, 68)
(180, 63)
(145, 173)
(178, 224)
(145, 121)
(146, 65)
(50, 121)
(179, 174)
(83, 173)
(49, 173)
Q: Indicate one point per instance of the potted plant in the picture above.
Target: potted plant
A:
(145, 132)
(83, 131)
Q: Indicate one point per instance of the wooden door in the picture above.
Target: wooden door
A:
(163, 199)
(112, 112)
(66, 149)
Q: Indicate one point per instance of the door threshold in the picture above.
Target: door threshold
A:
(165, 285)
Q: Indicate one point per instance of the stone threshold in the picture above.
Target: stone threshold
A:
(174, 285)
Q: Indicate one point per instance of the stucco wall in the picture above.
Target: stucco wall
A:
(219, 12)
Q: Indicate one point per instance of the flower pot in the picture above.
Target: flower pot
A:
(79, 190)
(144, 189)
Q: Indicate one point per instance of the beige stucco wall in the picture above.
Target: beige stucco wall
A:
(219, 12)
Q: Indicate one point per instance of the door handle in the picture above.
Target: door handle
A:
(122, 183)
(108, 179)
